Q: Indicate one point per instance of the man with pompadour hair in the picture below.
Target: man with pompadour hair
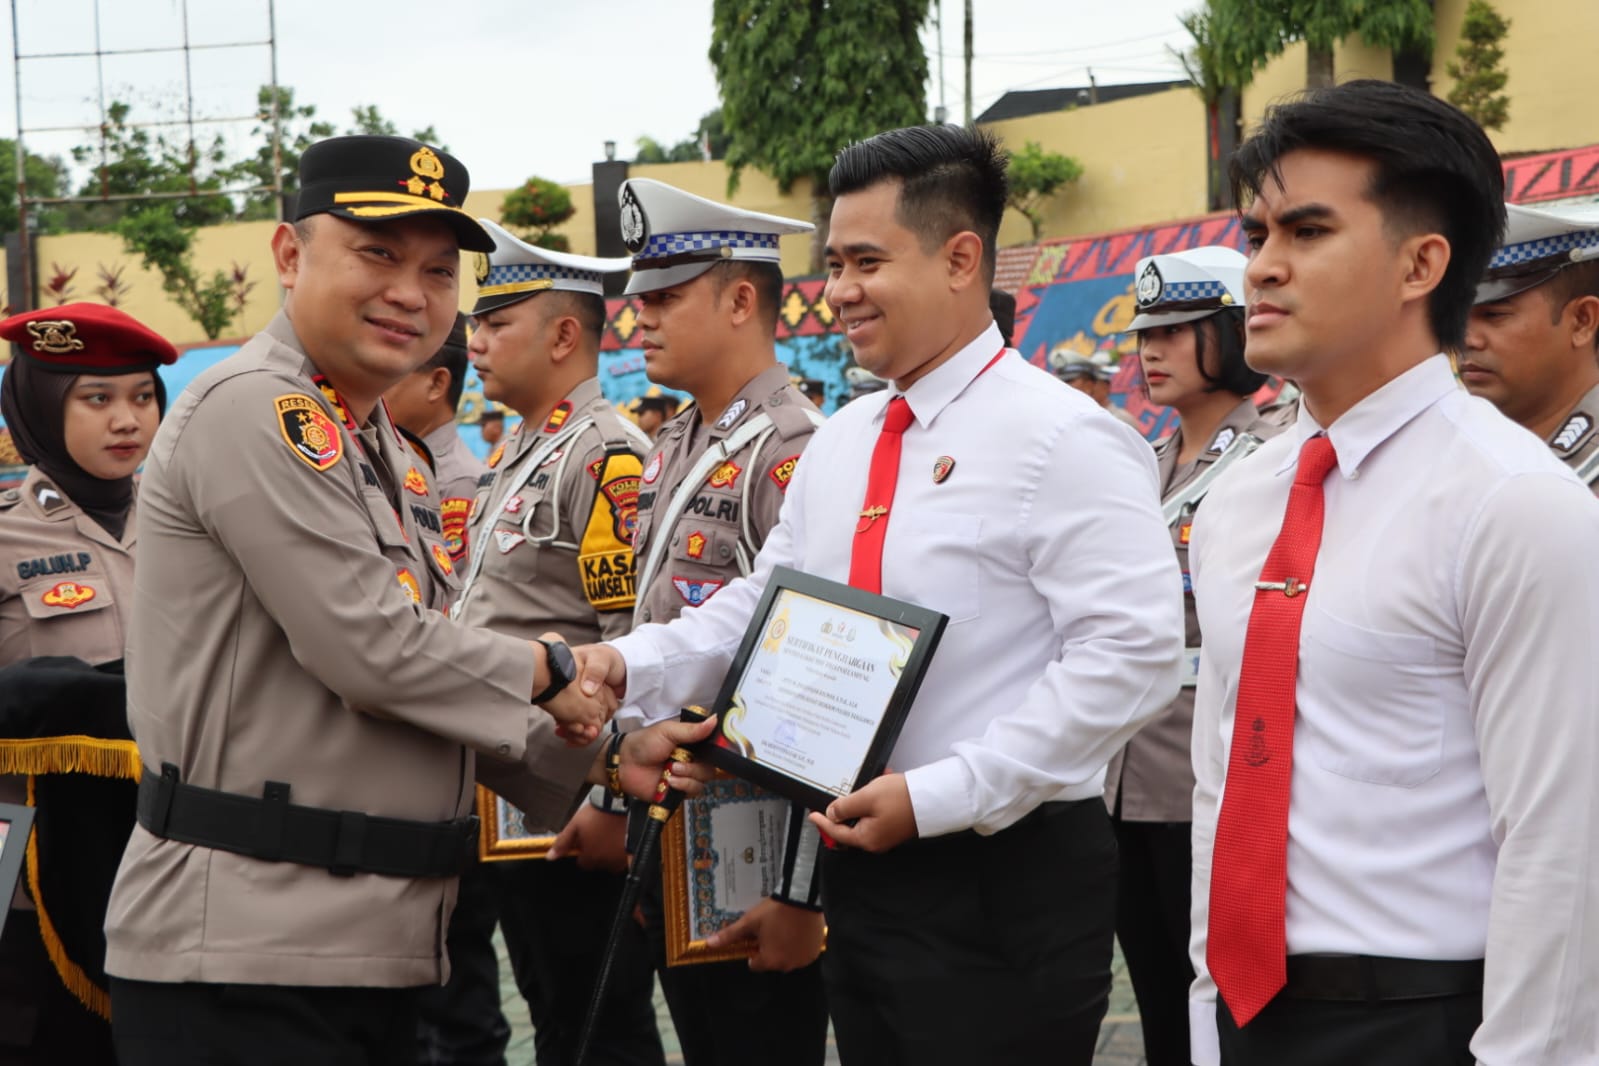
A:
(977, 878)
(1393, 727)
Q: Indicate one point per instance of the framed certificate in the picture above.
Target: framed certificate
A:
(820, 687)
(721, 854)
(502, 834)
(16, 822)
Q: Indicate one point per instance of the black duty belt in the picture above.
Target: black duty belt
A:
(271, 828)
(1373, 979)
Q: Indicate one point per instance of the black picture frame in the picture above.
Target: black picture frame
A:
(16, 825)
(722, 749)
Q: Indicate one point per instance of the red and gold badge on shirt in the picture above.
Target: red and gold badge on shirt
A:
(725, 475)
(408, 583)
(622, 494)
(415, 482)
(784, 471)
(311, 435)
(441, 556)
(68, 594)
(696, 544)
(558, 417)
(496, 455)
(454, 513)
(1185, 531)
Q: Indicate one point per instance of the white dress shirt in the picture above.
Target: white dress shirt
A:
(1443, 800)
(1045, 547)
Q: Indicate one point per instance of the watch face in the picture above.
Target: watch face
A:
(562, 665)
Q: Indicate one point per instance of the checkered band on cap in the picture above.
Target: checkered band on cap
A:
(661, 245)
(512, 273)
(1515, 258)
(1187, 293)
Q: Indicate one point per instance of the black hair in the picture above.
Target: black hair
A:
(767, 279)
(1234, 375)
(1435, 172)
(452, 357)
(951, 179)
(1003, 304)
(1572, 283)
(587, 307)
(665, 405)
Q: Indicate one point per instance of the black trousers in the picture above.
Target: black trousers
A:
(727, 1015)
(41, 1022)
(1305, 1032)
(965, 948)
(460, 1022)
(262, 1025)
(1152, 920)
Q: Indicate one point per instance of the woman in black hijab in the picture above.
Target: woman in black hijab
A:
(81, 400)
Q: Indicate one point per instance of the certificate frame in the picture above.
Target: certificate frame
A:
(501, 834)
(16, 828)
(690, 877)
(729, 749)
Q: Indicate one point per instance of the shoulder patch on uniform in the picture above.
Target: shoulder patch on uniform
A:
(415, 482)
(1223, 439)
(68, 594)
(733, 414)
(454, 512)
(783, 472)
(595, 467)
(311, 435)
(695, 593)
(441, 555)
(48, 497)
(1576, 430)
(622, 494)
(558, 417)
(409, 584)
(724, 476)
(652, 471)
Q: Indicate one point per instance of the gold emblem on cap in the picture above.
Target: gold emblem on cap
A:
(425, 165)
(480, 267)
(56, 336)
(1226, 299)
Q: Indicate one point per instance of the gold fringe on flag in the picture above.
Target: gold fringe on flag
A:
(88, 993)
(71, 755)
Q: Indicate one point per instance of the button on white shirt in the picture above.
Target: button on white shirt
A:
(1045, 547)
(1443, 802)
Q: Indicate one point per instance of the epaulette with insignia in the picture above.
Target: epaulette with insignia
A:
(1572, 433)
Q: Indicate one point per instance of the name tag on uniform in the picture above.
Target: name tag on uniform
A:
(1190, 667)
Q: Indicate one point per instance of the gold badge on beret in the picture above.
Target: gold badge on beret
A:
(56, 336)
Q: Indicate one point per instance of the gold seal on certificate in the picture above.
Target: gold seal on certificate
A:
(820, 687)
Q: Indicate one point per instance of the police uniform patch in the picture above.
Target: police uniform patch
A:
(1150, 285)
(496, 455)
(415, 482)
(1184, 532)
(441, 555)
(558, 416)
(1574, 432)
(311, 435)
(605, 556)
(724, 476)
(512, 505)
(506, 539)
(553, 457)
(68, 594)
(732, 414)
(48, 498)
(595, 467)
(653, 471)
(941, 468)
(408, 583)
(783, 472)
(454, 514)
(1223, 439)
(695, 593)
(622, 494)
(695, 544)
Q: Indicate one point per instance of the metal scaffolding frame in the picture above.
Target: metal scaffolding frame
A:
(98, 54)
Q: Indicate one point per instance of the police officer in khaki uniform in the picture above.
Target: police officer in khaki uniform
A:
(310, 724)
(1532, 341)
(552, 530)
(709, 286)
(423, 406)
(82, 401)
(1190, 330)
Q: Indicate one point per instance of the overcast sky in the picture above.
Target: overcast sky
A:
(514, 87)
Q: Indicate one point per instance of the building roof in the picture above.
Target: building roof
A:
(1020, 103)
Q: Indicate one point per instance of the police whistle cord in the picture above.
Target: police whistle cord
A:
(667, 800)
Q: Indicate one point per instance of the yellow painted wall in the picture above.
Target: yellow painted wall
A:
(1285, 75)
(1143, 162)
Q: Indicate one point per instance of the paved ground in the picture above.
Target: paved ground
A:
(1120, 1043)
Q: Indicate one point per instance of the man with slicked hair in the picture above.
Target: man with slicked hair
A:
(971, 897)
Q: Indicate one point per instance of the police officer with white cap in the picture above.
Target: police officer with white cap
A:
(1532, 341)
(1190, 331)
(709, 283)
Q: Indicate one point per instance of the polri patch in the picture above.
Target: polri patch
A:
(695, 593)
(68, 594)
(507, 539)
(408, 583)
(652, 471)
(441, 555)
(695, 544)
(724, 476)
(783, 472)
(311, 435)
(454, 513)
(512, 505)
(622, 494)
(942, 466)
(558, 417)
(1184, 532)
(415, 482)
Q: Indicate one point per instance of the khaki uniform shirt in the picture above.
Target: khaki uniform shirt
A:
(552, 545)
(728, 514)
(286, 628)
(1576, 442)
(456, 474)
(1153, 776)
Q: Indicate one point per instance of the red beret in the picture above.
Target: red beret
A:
(83, 338)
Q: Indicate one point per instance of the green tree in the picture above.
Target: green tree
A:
(1035, 177)
(1220, 85)
(367, 119)
(535, 208)
(709, 134)
(46, 176)
(166, 246)
(1477, 67)
(1250, 33)
(799, 81)
(300, 129)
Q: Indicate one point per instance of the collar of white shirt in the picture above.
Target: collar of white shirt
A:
(936, 390)
(1377, 417)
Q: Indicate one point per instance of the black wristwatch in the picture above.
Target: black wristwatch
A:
(563, 669)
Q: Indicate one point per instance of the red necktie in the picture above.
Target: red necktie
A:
(866, 555)
(1246, 951)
